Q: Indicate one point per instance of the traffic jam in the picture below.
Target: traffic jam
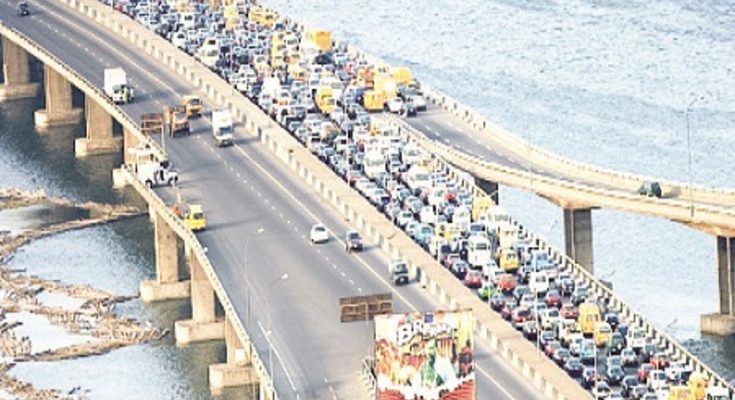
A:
(332, 102)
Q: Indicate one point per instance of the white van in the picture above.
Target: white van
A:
(374, 164)
(539, 283)
(478, 251)
(507, 235)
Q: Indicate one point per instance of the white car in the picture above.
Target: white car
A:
(319, 234)
(394, 105)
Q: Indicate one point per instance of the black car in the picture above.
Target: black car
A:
(561, 356)
(612, 320)
(589, 377)
(353, 241)
(650, 189)
(647, 352)
(615, 374)
(566, 287)
(628, 385)
(579, 295)
(530, 330)
(573, 367)
(497, 301)
(23, 9)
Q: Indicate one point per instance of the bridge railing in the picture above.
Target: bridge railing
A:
(550, 160)
(198, 251)
(82, 84)
(625, 310)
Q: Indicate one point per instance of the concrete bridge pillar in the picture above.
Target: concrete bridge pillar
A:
(167, 285)
(489, 187)
(129, 141)
(238, 370)
(58, 110)
(723, 323)
(17, 83)
(99, 138)
(578, 236)
(203, 325)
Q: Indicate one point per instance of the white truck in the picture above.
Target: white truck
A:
(116, 86)
(222, 128)
(148, 169)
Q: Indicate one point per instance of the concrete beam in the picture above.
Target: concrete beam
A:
(238, 370)
(167, 251)
(203, 325)
(58, 109)
(153, 291)
(489, 187)
(17, 83)
(99, 138)
(578, 236)
(723, 323)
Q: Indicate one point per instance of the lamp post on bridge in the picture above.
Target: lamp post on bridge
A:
(689, 152)
(270, 331)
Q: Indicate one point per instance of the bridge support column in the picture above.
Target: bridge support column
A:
(203, 324)
(578, 236)
(167, 285)
(489, 187)
(58, 110)
(723, 323)
(237, 370)
(17, 83)
(99, 138)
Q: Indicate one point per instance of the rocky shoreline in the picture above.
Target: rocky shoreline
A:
(93, 318)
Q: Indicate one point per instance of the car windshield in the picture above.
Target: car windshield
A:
(353, 236)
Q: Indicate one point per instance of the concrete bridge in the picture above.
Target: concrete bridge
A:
(253, 279)
(261, 197)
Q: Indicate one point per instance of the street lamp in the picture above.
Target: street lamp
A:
(268, 334)
(689, 151)
(259, 231)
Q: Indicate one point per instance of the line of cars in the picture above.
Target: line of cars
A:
(324, 97)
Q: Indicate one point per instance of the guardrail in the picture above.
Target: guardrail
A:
(546, 159)
(627, 312)
(81, 83)
(193, 244)
(520, 354)
(676, 210)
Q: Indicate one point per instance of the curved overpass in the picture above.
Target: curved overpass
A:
(259, 216)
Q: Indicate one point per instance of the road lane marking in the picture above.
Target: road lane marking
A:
(267, 336)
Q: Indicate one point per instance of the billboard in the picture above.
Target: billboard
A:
(427, 355)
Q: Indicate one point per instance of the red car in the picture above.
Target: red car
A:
(520, 316)
(473, 279)
(507, 283)
(660, 361)
(643, 372)
(552, 299)
(569, 311)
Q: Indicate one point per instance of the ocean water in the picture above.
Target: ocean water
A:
(113, 257)
(602, 82)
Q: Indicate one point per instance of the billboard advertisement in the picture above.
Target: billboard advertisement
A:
(425, 355)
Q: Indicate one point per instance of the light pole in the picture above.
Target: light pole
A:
(270, 331)
(689, 152)
(259, 231)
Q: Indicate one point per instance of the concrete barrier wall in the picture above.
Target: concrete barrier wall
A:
(192, 243)
(554, 162)
(151, 198)
(578, 272)
(509, 343)
(81, 83)
(584, 195)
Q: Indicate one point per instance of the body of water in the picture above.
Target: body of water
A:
(113, 257)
